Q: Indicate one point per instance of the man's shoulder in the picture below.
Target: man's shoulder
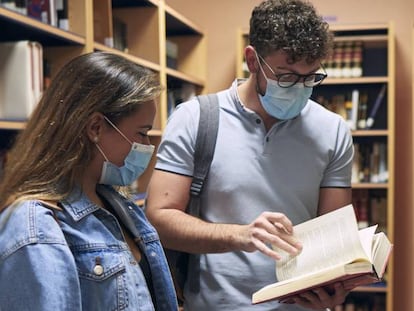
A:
(318, 114)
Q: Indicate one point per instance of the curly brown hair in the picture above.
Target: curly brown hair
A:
(292, 26)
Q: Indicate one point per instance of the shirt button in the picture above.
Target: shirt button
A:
(98, 270)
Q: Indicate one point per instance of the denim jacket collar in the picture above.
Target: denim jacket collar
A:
(83, 207)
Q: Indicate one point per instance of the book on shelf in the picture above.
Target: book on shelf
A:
(62, 14)
(355, 109)
(370, 162)
(38, 9)
(172, 54)
(334, 250)
(345, 60)
(21, 78)
(378, 101)
(42, 10)
(178, 95)
(120, 35)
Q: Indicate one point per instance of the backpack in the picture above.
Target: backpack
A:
(203, 155)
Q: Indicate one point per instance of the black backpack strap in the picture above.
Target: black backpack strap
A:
(119, 208)
(204, 148)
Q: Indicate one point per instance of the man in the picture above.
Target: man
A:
(280, 159)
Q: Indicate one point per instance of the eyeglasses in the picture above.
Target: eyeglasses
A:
(286, 80)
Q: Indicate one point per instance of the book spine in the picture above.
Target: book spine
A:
(375, 107)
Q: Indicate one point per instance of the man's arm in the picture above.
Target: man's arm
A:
(333, 198)
(168, 195)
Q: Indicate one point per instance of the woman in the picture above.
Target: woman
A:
(62, 244)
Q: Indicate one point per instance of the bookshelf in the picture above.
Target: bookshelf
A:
(375, 195)
(134, 29)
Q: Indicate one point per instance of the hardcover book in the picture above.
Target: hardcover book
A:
(333, 250)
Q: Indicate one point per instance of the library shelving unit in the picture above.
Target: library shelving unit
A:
(375, 194)
(94, 25)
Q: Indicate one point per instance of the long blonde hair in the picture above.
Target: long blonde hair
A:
(48, 157)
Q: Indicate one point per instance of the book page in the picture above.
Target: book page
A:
(381, 252)
(366, 236)
(328, 240)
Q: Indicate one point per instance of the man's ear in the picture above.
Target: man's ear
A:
(251, 59)
(94, 127)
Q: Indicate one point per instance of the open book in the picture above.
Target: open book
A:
(333, 250)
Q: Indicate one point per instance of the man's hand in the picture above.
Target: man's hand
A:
(269, 228)
(320, 298)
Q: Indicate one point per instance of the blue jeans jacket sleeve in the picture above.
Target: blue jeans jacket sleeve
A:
(79, 261)
(37, 269)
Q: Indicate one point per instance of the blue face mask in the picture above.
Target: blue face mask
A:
(135, 164)
(284, 103)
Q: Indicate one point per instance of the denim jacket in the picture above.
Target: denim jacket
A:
(77, 259)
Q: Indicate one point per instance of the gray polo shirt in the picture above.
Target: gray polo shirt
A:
(255, 171)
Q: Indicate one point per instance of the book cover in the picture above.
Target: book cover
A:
(333, 250)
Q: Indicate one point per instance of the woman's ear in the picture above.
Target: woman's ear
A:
(251, 59)
(94, 126)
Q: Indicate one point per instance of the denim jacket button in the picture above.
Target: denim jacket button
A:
(98, 270)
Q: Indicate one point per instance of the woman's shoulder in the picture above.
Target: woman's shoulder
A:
(25, 223)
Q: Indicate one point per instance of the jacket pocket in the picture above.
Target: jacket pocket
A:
(102, 280)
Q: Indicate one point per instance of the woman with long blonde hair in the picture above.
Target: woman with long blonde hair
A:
(63, 246)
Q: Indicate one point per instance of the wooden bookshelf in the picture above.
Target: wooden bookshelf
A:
(376, 38)
(148, 24)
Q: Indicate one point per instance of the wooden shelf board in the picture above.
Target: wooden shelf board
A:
(177, 24)
(369, 186)
(361, 80)
(185, 77)
(155, 133)
(27, 28)
(357, 27)
(370, 289)
(12, 125)
(19, 125)
(135, 59)
(368, 133)
(366, 38)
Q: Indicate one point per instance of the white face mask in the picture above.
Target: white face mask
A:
(135, 163)
(284, 103)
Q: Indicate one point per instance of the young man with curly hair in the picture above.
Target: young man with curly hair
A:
(280, 159)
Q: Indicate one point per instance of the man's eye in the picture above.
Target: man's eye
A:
(143, 134)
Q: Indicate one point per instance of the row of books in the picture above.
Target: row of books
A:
(53, 12)
(370, 209)
(375, 303)
(354, 107)
(345, 60)
(370, 163)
